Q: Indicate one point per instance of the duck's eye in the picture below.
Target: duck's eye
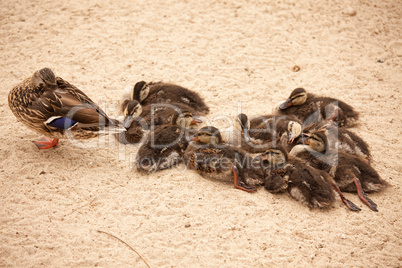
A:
(314, 138)
(205, 134)
(297, 96)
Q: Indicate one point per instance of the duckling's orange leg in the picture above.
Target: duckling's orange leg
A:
(46, 143)
(240, 184)
(346, 201)
(363, 196)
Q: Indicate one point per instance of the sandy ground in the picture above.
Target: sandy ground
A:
(54, 202)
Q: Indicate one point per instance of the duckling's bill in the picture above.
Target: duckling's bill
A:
(196, 121)
(286, 104)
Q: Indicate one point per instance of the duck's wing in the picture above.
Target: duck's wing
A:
(56, 106)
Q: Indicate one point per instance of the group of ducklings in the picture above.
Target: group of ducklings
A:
(303, 148)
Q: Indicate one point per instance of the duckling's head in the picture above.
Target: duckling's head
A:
(140, 91)
(276, 155)
(318, 141)
(208, 135)
(43, 77)
(243, 124)
(297, 97)
(185, 120)
(294, 130)
(132, 110)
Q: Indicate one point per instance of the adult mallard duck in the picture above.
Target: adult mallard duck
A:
(52, 106)
(310, 108)
(147, 93)
(210, 157)
(351, 173)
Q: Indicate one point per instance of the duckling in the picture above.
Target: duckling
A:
(147, 93)
(342, 139)
(210, 157)
(136, 126)
(351, 173)
(138, 120)
(278, 126)
(253, 136)
(165, 146)
(339, 138)
(53, 107)
(306, 105)
(306, 184)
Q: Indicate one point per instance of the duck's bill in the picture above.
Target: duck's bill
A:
(194, 138)
(128, 121)
(292, 137)
(246, 135)
(196, 121)
(286, 104)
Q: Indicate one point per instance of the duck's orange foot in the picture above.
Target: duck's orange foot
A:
(350, 205)
(346, 201)
(240, 184)
(245, 187)
(46, 143)
(369, 202)
(363, 196)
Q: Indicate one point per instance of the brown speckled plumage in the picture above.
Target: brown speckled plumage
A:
(165, 146)
(170, 93)
(308, 185)
(42, 96)
(351, 173)
(217, 161)
(316, 108)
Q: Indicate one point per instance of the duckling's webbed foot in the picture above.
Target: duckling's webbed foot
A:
(241, 184)
(346, 201)
(350, 204)
(46, 143)
(363, 196)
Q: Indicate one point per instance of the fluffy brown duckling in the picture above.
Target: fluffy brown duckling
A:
(310, 108)
(254, 136)
(53, 107)
(351, 173)
(136, 126)
(310, 186)
(342, 139)
(210, 157)
(138, 120)
(147, 93)
(165, 145)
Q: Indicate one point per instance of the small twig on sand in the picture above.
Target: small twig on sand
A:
(99, 231)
